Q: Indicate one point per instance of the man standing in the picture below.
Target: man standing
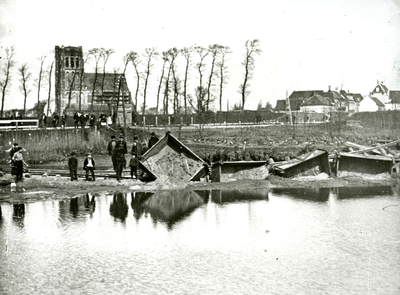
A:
(123, 143)
(110, 148)
(118, 158)
(73, 167)
(88, 165)
(19, 164)
(153, 139)
(136, 154)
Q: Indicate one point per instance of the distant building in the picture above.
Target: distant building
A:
(320, 101)
(394, 100)
(380, 92)
(317, 104)
(371, 104)
(74, 87)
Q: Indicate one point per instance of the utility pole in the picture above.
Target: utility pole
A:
(288, 109)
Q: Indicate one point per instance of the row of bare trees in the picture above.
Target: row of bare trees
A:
(209, 63)
(25, 78)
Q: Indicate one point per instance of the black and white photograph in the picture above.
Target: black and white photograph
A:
(200, 147)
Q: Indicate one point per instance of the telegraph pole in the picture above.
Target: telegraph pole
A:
(288, 109)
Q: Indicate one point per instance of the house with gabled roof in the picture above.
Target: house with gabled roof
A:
(380, 92)
(318, 104)
(371, 104)
(353, 101)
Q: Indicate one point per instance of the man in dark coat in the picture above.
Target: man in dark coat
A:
(118, 158)
(136, 154)
(73, 167)
(89, 166)
(153, 140)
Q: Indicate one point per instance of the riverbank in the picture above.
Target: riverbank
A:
(59, 188)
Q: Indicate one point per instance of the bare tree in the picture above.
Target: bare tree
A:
(121, 81)
(202, 52)
(186, 52)
(173, 53)
(10, 52)
(26, 75)
(214, 51)
(105, 54)
(71, 87)
(85, 59)
(165, 58)
(222, 72)
(50, 72)
(252, 49)
(166, 85)
(39, 82)
(96, 53)
(150, 53)
(135, 60)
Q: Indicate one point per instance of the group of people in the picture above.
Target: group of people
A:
(80, 120)
(117, 151)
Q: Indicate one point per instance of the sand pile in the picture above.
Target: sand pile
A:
(251, 173)
(173, 164)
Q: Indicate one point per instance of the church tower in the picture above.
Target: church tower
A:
(68, 69)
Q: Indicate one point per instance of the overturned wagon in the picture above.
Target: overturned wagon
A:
(232, 170)
(310, 164)
(363, 164)
(170, 158)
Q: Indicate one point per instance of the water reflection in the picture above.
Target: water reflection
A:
(18, 214)
(362, 192)
(78, 205)
(172, 206)
(308, 194)
(228, 196)
(137, 200)
(119, 207)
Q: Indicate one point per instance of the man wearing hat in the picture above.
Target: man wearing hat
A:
(118, 157)
(136, 153)
(89, 166)
(153, 139)
(110, 148)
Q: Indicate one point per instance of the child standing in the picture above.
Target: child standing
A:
(136, 154)
(89, 166)
(73, 167)
(19, 163)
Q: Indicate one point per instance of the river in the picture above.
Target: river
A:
(281, 241)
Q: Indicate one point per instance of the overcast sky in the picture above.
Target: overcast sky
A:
(306, 44)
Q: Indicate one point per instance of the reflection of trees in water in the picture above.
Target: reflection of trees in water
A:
(119, 206)
(138, 198)
(172, 206)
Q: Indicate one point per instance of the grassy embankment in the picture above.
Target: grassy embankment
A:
(227, 143)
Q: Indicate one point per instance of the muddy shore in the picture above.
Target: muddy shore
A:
(38, 187)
